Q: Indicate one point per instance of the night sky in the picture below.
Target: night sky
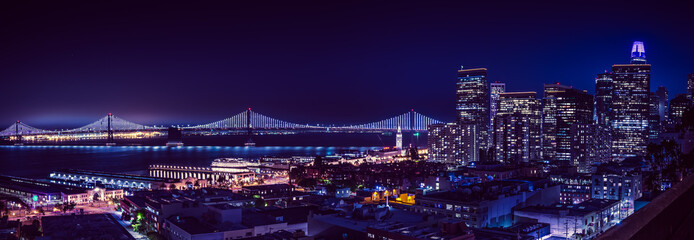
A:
(354, 62)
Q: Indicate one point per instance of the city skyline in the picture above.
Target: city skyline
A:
(346, 120)
(361, 85)
(538, 96)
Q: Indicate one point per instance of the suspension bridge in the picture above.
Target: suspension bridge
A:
(111, 125)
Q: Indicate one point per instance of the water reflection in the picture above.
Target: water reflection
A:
(39, 161)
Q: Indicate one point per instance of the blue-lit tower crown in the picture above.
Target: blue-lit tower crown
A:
(638, 53)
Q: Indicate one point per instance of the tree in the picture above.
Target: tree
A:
(414, 153)
(688, 120)
(318, 161)
(31, 231)
(259, 202)
(330, 189)
(307, 182)
(666, 161)
(3, 208)
(71, 206)
(155, 236)
(139, 221)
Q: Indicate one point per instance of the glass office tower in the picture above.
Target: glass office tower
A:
(496, 89)
(630, 104)
(603, 98)
(549, 119)
(517, 127)
(473, 102)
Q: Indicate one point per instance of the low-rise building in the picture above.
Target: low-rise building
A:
(91, 226)
(160, 205)
(353, 222)
(575, 188)
(216, 174)
(449, 229)
(43, 193)
(519, 231)
(488, 204)
(491, 172)
(223, 221)
(89, 178)
(583, 220)
(625, 188)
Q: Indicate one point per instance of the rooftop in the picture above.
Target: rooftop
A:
(399, 216)
(38, 187)
(582, 208)
(93, 226)
(112, 175)
(291, 215)
(192, 225)
(480, 192)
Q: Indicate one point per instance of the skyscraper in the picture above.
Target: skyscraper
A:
(603, 98)
(678, 106)
(573, 107)
(473, 101)
(662, 96)
(630, 102)
(496, 89)
(690, 86)
(638, 53)
(517, 127)
(453, 143)
(549, 119)
(591, 145)
(654, 125)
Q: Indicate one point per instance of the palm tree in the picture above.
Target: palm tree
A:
(666, 160)
(3, 208)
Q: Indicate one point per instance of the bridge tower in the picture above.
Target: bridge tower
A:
(249, 127)
(109, 139)
(412, 129)
(398, 139)
(411, 119)
(18, 137)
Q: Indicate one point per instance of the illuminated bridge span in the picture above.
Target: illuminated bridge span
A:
(20, 128)
(116, 124)
(409, 121)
